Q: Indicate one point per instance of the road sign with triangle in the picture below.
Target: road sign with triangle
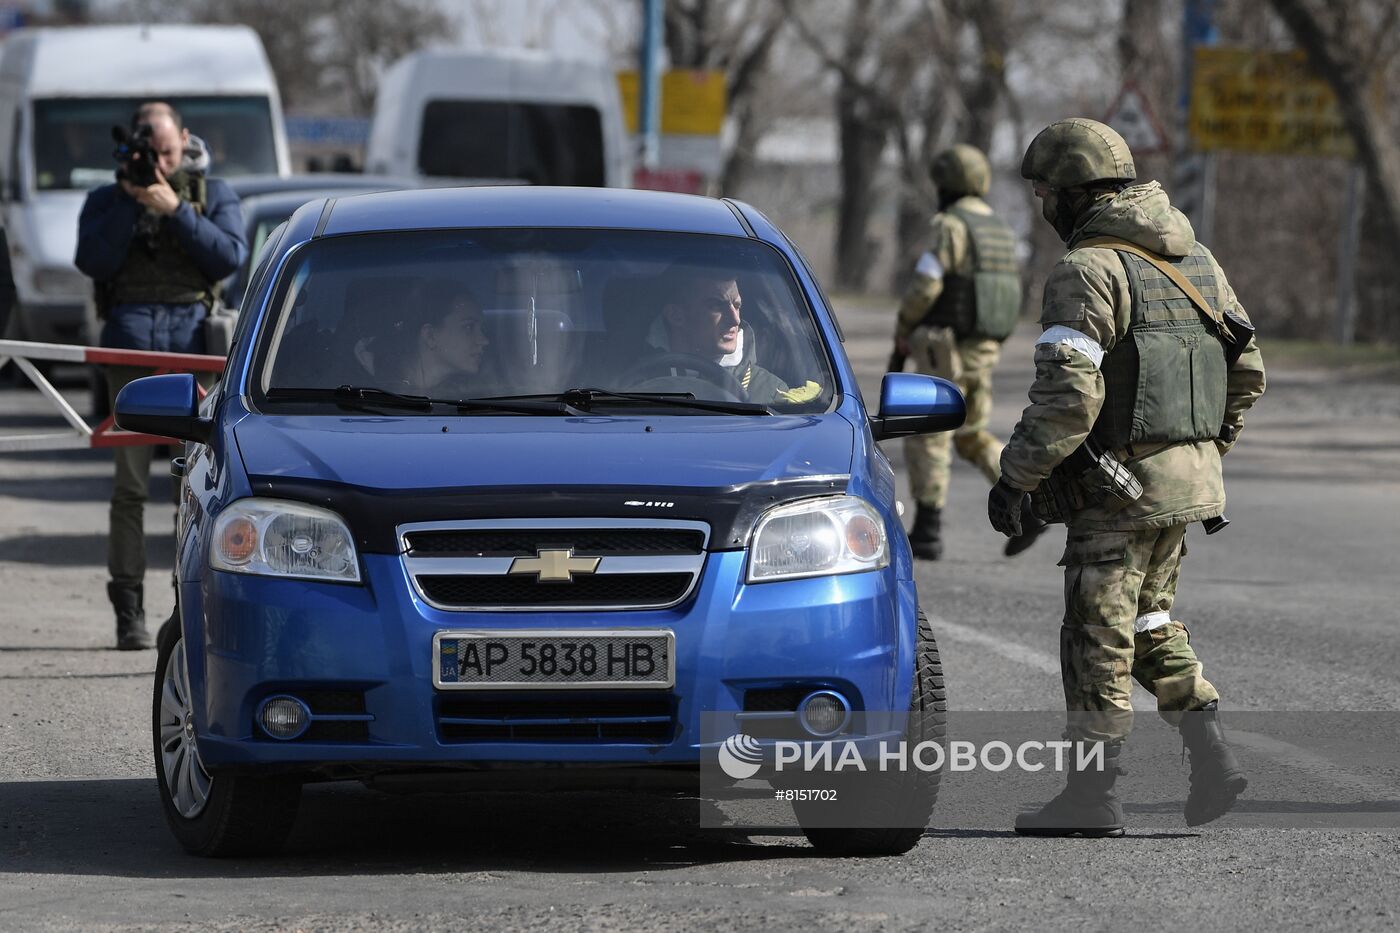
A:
(1133, 118)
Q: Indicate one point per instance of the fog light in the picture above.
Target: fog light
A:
(284, 717)
(824, 713)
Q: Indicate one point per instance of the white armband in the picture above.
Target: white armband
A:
(1068, 336)
(929, 267)
(1150, 620)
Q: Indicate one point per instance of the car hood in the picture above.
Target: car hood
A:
(433, 453)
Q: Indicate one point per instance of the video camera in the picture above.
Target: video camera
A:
(135, 155)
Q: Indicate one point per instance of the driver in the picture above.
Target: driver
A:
(703, 317)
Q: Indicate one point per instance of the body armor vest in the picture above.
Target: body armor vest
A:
(157, 269)
(987, 302)
(1165, 380)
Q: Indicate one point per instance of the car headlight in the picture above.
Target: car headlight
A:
(279, 538)
(817, 537)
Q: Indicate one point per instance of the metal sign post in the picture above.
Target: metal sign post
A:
(1344, 328)
(650, 116)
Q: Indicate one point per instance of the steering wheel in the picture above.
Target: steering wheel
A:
(654, 374)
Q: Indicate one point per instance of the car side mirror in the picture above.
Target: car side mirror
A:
(911, 403)
(166, 406)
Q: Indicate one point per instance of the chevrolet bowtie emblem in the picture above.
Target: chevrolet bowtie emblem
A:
(554, 565)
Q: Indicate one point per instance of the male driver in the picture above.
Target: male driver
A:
(963, 301)
(1147, 354)
(702, 317)
(156, 253)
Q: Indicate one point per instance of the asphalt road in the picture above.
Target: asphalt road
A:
(1293, 608)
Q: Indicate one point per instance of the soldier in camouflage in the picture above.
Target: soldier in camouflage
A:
(963, 300)
(1128, 359)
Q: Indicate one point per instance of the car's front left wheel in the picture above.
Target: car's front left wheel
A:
(213, 815)
(888, 810)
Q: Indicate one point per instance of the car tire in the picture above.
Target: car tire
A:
(885, 797)
(211, 815)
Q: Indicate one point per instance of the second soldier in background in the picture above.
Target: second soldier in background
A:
(963, 301)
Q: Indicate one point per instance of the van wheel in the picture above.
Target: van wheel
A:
(877, 799)
(213, 815)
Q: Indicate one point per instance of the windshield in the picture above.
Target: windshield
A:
(73, 137)
(479, 314)
(542, 144)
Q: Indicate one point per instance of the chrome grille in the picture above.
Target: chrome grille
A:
(636, 563)
(524, 542)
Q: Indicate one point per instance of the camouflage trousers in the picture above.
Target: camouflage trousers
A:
(126, 534)
(1119, 591)
(936, 352)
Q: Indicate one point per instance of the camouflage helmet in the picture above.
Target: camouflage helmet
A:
(961, 169)
(1070, 153)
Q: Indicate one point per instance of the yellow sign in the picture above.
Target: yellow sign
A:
(1257, 101)
(692, 101)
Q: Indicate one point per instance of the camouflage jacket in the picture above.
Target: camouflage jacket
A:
(1084, 314)
(948, 252)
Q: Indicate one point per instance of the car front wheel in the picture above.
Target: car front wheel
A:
(889, 810)
(213, 815)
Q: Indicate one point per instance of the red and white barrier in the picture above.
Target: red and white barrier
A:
(82, 435)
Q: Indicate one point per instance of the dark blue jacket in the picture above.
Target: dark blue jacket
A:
(213, 239)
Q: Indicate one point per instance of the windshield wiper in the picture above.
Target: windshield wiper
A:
(585, 397)
(363, 397)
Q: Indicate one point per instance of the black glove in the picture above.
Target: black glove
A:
(1004, 507)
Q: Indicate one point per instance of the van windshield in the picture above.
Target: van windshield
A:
(527, 314)
(73, 136)
(542, 144)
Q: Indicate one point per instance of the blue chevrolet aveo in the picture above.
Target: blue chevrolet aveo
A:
(503, 480)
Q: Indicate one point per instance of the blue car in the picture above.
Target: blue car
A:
(522, 480)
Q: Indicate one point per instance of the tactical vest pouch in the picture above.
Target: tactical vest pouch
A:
(1089, 476)
(1186, 361)
(998, 306)
(955, 306)
(987, 303)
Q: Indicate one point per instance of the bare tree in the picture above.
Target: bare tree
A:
(371, 34)
(920, 75)
(1348, 44)
(318, 49)
(737, 38)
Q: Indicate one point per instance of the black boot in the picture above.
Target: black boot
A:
(926, 537)
(1087, 806)
(131, 616)
(1031, 529)
(1216, 776)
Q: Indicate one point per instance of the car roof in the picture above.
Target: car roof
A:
(530, 206)
(319, 183)
(286, 202)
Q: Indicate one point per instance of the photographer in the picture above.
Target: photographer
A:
(156, 245)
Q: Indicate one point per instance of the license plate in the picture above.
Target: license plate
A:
(552, 660)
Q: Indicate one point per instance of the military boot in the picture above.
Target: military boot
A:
(127, 600)
(1216, 776)
(926, 537)
(1087, 806)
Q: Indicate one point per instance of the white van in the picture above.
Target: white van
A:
(518, 115)
(61, 92)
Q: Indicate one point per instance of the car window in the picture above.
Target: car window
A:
(73, 136)
(543, 144)
(482, 313)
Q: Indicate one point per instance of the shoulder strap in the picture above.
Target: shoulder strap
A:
(1167, 269)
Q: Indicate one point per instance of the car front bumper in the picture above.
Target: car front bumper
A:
(256, 637)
